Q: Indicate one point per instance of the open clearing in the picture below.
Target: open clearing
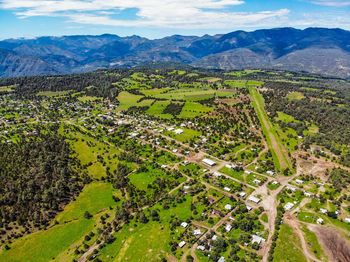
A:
(295, 96)
(279, 153)
(288, 246)
(48, 244)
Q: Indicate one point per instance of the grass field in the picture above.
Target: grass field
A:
(142, 179)
(128, 100)
(4, 89)
(285, 118)
(89, 98)
(186, 136)
(243, 72)
(279, 152)
(93, 198)
(88, 150)
(189, 94)
(60, 239)
(288, 247)
(147, 241)
(53, 93)
(157, 108)
(193, 109)
(313, 244)
(295, 96)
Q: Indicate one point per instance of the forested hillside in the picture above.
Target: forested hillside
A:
(315, 50)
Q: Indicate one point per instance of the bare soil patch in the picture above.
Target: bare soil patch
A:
(336, 246)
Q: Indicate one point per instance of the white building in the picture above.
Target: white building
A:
(254, 199)
(197, 232)
(288, 206)
(293, 189)
(178, 131)
(184, 224)
(319, 221)
(182, 243)
(227, 189)
(269, 172)
(228, 207)
(257, 239)
(256, 181)
(221, 259)
(299, 181)
(208, 162)
(323, 211)
(217, 174)
(242, 194)
(201, 248)
(228, 228)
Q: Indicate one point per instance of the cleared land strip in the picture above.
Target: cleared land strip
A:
(279, 152)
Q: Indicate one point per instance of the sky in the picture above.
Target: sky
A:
(159, 18)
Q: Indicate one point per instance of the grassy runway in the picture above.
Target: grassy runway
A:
(279, 152)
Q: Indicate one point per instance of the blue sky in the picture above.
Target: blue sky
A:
(159, 18)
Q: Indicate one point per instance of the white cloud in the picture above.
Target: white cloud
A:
(194, 14)
(334, 3)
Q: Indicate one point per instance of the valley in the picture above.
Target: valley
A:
(175, 164)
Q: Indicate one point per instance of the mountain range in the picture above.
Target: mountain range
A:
(315, 50)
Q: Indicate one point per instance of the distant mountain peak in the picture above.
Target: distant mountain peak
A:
(316, 50)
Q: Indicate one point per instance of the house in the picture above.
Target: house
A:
(271, 173)
(254, 199)
(288, 206)
(299, 181)
(208, 162)
(215, 237)
(257, 181)
(186, 187)
(227, 189)
(182, 243)
(228, 207)
(171, 129)
(247, 172)
(323, 211)
(201, 248)
(249, 208)
(293, 189)
(257, 239)
(347, 220)
(221, 259)
(175, 150)
(178, 131)
(307, 194)
(319, 221)
(184, 224)
(197, 232)
(231, 166)
(217, 174)
(228, 228)
(242, 194)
